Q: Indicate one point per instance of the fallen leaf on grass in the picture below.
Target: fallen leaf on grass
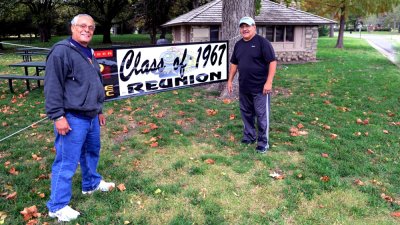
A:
(145, 131)
(227, 101)
(277, 176)
(326, 127)
(359, 182)
(36, 157)
(334, 136)
(154, 144)
(32, 222)
(211, 112)
(153, 126)
(3, 216)
(158, 191)
(357, 133)
(325, 178)
(13, 171)
(176, 132)
(121, 187)
(369, 151)
(209, 161)
(343, 109)
(386, 197)
(395, 214)
(232, 117)
(359, 121)
(232, 138)
(4, 124)
(41, 195)
(300, 126)
(110, 111)
(125, 129)
(324, 155)
(385, 131)
(191, 100)
(30, 212)
(11, 196)
(6, 164)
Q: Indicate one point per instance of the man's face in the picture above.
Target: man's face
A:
(82, 31)
(247, 31)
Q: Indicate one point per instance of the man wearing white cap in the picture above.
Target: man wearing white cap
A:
(255, 59)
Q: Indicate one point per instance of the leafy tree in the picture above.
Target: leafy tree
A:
(104, 12)
(343, 8)
(43, 15)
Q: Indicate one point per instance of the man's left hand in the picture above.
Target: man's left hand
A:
(267, 88)
(102, 119)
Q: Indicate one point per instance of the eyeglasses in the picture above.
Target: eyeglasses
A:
(84, 26)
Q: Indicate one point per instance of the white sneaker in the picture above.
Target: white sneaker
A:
(103, 186)
(65, 214)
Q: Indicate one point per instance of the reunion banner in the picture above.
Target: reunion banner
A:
(129, 72)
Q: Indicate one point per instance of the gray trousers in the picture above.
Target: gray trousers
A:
(254, 106)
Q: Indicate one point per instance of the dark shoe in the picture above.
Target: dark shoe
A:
(247, 142)
(261, 149)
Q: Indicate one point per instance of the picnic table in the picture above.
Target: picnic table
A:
(39, 66)
(27, 53)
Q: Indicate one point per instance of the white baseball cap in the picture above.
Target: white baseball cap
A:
(247, 20)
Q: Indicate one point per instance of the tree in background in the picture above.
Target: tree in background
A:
(104, 12)
(43, 15)
(343, 8)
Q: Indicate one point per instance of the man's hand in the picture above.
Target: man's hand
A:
(267, 88)
(102, 119)
(230, 87)
(62, 126)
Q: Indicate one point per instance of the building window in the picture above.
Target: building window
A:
(280, 33)
(214, 33)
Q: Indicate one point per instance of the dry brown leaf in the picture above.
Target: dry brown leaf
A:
(357, 133)
(327, 102)
(211, 112)
(125, 129)
(12, 195)
(324, 155)
(369, 151)
(13, 171)
(145, 131)
(209, 161)
(4, 124)
(30, 212)
(121, 187)
(154, 144)
(227, 101)
(153, 126)
(232, 117)
(191, 100)
(334, 136)
(41, 195)
(358, 182)
(359, 121)
(6, 164)
(232, 138)
(181, 113)
(176, 132)
(325, 178)
(110, 111)
(395, 214)
(36, 157)
(300, 126)
(326, 127)
(366, 121)
(386, 197)
(385, 131)
(142, 123)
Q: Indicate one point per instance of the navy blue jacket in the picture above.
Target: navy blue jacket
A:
(72, 83)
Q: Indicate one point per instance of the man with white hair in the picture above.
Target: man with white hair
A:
(74, 100)
(255, 59)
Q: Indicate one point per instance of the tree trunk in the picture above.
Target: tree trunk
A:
(339, 43)
(331, 30)
(232, 11)
(106, 33)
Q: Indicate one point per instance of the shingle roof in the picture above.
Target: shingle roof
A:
(270, 14)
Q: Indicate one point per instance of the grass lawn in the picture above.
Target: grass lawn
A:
(334, 134)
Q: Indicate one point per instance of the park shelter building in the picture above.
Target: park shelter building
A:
(292, 32)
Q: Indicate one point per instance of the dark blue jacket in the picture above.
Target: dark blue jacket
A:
(72, 83)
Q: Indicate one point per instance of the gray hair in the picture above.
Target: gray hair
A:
(75, 19)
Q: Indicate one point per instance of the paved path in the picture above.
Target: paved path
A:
(383, 43)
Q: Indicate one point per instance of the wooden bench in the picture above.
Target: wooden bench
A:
(11, 77)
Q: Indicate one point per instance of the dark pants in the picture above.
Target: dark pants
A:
(254, 106)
